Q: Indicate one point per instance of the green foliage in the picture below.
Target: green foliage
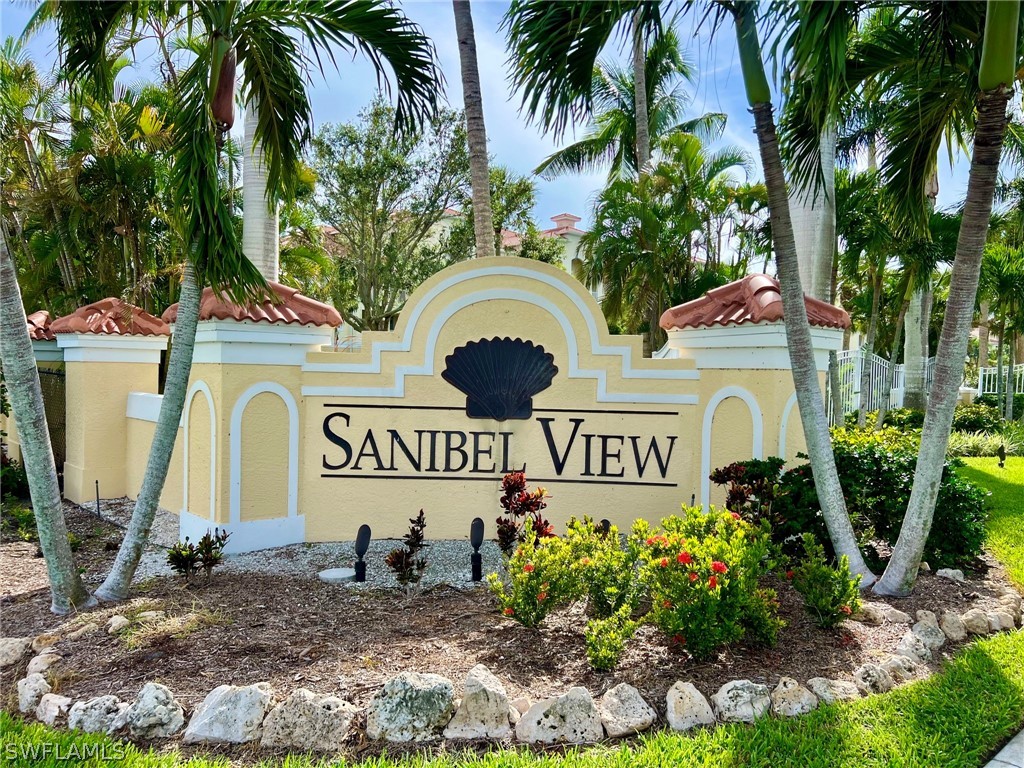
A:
(975, 417)
(830, 593)
(993, 400)
(405, 562)
(541, 576)
(606, 638)
(607, 571)
(701, 572)
(1005, 524)
(13, 478)
(985, 443)
(186, 559)
(17, 520)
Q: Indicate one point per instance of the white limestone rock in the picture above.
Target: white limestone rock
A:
(1000, 620)
(900, 668)
(82, 631)
(790, 699)
(896, 616)
(51, 707)
(308, 721)
(12, 649)
(929, 634)
(230, 714)
(741, 701)
(571, 718)
(30, 690)
(927, 617)
(483, 712)
(953, 626)
(411, 707)
(687, 708)
(872, 613)
(913, 647)
(103, 714)
(831, 691)
(955, 574)
(521, 704)
(624, 711)
(151, 616)
(155, 713)
(872, 678)
(42, 662)
(975, 621)
(1012, 605)
(117, 623)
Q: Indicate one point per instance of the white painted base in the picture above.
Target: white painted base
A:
(337, 575)
(249, 536)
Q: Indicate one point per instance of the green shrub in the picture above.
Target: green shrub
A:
(606, 638)
(18, 520)
(701, 572)
(186, 558)
(904, 419)
(606, 573)
(830, 593)
(983, 443)
(975, 417)
(996, 402)
(541, 576)
(13, 479)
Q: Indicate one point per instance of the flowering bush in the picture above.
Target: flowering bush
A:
(606, 574)
(701, 572)
(522, 512)
(540, 577)
(830, 593)
(606, 638)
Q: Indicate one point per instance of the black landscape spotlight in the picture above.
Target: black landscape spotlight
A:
(476, 538)
(362, 545)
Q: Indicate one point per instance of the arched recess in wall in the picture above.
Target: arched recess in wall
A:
(740, 419)
(205, 454)
(270, 440)
(787, 428)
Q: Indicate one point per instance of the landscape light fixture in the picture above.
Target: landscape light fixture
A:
(362, 545)
(476, 538)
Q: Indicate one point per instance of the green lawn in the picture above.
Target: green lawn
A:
(956, 719)
(1006, 523)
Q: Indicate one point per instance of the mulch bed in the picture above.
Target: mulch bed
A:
(296, 632)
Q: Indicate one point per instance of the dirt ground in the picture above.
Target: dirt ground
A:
(293, 631)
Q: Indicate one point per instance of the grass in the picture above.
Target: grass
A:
(1006, 522)
(955, 719)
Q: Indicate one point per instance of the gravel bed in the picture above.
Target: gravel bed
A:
(448, 561)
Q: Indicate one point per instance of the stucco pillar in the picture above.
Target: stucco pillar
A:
(101, 368)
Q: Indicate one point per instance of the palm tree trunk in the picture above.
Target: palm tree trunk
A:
(476, 133)
(798, 330)
(643, 126)
(260, 239)
(996, 74)
(67, 592)
(869, 349)
(116, 585)
(983, 313)
(890, 369)
(814, 223)
(913, 352)
(1011, 380)
(1000, 381)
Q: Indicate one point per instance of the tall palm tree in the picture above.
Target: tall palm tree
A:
(260, 237)
(266, 39)
(476, 132)
(549, 65)
(1002, 281)
(612, 137)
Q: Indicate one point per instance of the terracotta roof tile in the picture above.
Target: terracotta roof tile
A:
(753, 299)
(292, 307)
(39, 326)
(111, 316)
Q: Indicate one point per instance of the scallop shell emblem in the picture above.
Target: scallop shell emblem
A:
(499, 376)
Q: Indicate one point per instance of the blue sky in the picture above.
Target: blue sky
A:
(512, 141)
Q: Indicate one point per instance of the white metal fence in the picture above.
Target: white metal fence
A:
(878, 381)
(988, 379)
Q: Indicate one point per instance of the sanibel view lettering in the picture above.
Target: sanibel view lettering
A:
(573, 452)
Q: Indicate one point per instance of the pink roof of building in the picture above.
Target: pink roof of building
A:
(39, 326)
(753, 299)
(111, 316)
(291, 307)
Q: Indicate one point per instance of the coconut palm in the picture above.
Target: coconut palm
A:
(266, 39)
(550, 64)
(612, 137)
(476, 132)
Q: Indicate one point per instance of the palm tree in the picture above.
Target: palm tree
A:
(476, 132)
(612, 137)
(548, 66)
(260, 36)
(260, 239)
(1002, 281)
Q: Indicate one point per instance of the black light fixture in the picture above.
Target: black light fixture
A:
(476, 538)
(362, 545)
(606, 526)
(693, 499)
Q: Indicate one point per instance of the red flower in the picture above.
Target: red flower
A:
(719, 567)
(845, 609)
(528, 568)
(735, 515)
(541, 596)
(693, 577)
(585, 561)
(650, 542)
(508, 612)
(713, 582)
(684, 558)
(789, 575)
(664, 562)
(667, 604)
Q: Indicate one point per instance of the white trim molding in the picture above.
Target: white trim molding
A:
(249, 536)
(204, 388)
(757, 422)
(787, 409)
(109, 348)
(662, 372)
(144, 406)
(235, 495)
(46, 351)
(749, 346)
(244, 342)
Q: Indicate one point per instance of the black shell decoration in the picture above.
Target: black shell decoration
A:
(500, 376)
